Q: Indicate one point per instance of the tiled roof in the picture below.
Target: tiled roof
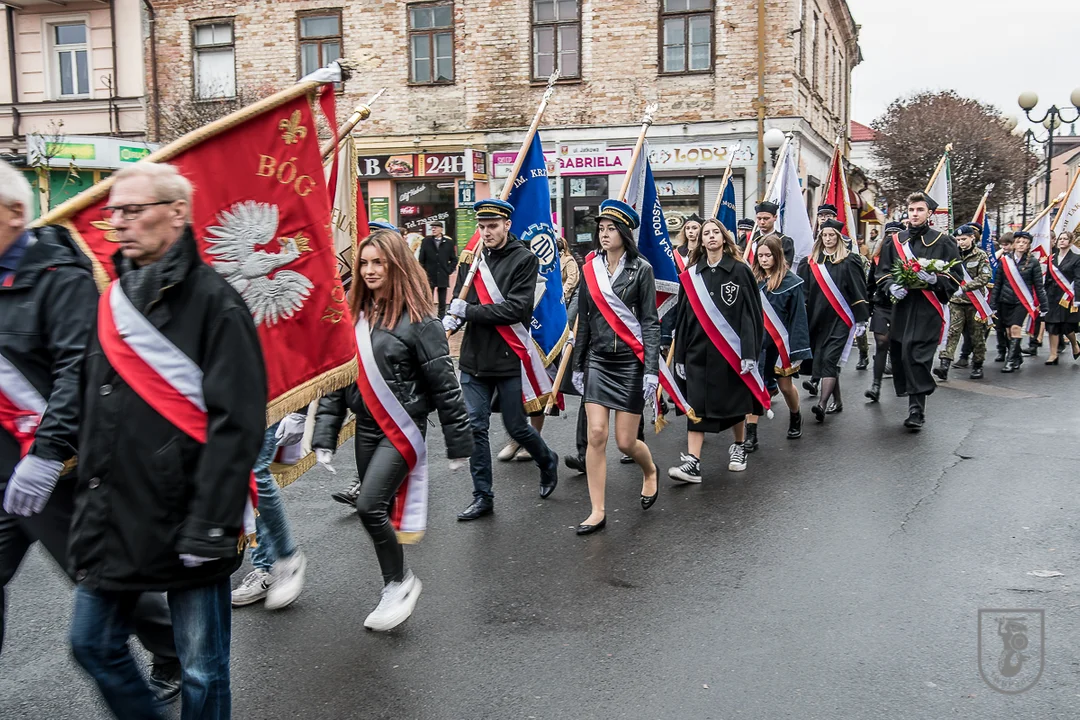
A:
(861, 133)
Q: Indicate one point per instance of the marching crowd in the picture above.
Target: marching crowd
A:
(159, 389)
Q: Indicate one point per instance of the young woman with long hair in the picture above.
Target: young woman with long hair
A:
(617, 367)
(837, 309)
(1062, 317)
(1019, 277)
(408, 352)
(783, 290)
(725, 292)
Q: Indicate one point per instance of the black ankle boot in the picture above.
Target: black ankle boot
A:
(1013, 360)
(874, 393)
(976, 372)
(941, 372)
(751, 443)
(1002, 350)
(794, 428)
(864, 360)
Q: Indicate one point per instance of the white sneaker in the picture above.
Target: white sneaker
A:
(737, 457)
(507, 453)
(396, 605)
(288, 581)
(523, 455)
(253, 589)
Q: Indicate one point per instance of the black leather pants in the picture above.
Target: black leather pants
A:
(381, 470)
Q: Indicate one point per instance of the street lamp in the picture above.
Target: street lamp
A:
(1052, 119)
(774, 138)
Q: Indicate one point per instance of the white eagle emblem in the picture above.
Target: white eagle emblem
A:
(244, 227)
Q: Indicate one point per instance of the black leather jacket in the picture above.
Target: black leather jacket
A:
(636, 286)
(1031, 273)
(414, 359)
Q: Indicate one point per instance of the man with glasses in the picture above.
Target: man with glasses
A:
(174, 413)
(47, 300)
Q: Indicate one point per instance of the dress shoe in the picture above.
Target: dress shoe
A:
(835, 408)
(811, 387)
(550, 478)
(915, 420)
(590, 529)
(575, 463)
(874, 393)
(165, 681)
(647, 501)
(479, 508)
(819, 413)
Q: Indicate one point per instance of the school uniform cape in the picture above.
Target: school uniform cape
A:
(830, 335)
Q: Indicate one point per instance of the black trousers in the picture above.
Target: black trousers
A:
(440, 299)
(582, 433)
(381, 470)
(51, 527)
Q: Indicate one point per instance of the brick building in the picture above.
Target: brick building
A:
(464, 76)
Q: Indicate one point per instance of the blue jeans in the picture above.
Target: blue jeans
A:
(478, 394)
(101, 623)
(271, 526)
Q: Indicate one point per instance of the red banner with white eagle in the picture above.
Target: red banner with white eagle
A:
(261, 216)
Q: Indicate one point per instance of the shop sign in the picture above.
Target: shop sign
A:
(694, 156)
(379, 209)
(103, 153)
(386, 166)
(375, 167)
(581, 159)
(466, 193)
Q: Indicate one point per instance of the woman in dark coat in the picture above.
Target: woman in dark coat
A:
(715, 390)
(1062, 318)
(785, 293)
(607, 372)
(1006, 302)
(881, 310)
(412, 356)
(830, 335)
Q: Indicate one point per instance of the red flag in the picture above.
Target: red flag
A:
(260, 206)
(836, 194)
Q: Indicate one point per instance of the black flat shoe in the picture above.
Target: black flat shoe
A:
(835, 409)
(647, 501)
(915, 421)
(819, 414)
(590, 529)
(479, 508)
(810, 387)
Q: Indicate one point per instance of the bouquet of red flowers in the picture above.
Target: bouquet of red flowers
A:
(905, 273)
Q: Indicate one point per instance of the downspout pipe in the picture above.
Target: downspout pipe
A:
(114, 90)
(156, 95)
(15, 119)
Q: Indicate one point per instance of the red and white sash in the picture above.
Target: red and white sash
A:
(626, 325)
(724, 337)
(836, 298)
(751, 252)
(535, 383)
(942, 309)
(775, 327)
(409, 515)
(1063, 283)
(160, 373)
(1022, 291)
(978, 298)
(680, 262)
(21, 406)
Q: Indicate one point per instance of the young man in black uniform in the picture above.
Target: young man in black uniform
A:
(488, 363)
(767, 212)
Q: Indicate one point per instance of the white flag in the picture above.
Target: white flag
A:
(343, 214)
(940, 193)
(1040, 236)
(1068, 217)
(787, 193)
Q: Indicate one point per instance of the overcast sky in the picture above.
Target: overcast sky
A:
(990, 50)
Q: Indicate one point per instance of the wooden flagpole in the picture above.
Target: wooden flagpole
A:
(1045, 210)
(939, 168)
(509, 186)
(360, 112)
(646, 122)
(723, 184)
(982, 203)
(1068, 192)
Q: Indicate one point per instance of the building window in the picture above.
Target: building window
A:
(431, 43)
(319, 32)
(686, 30)
(215, 68)
(556, 34)
(70, 55)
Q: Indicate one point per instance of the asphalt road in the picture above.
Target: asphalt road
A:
(840, 576)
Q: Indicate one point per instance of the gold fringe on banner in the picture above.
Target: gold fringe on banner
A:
(101, 278)
(303, 395)
(286, 475)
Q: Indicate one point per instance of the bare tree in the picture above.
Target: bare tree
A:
(183, 116)
(913, 132)
(50, 158)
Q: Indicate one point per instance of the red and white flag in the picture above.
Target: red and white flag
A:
(409, 514)
(836, 299)
(836, 194)
(21, 406)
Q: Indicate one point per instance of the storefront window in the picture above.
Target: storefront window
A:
(583, 198)
(422, 203)
(680, 198)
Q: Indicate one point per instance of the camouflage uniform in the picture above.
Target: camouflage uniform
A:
(962, 313)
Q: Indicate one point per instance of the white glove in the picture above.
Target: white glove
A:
(898, 291)
(860, 329)
(648, 387)
(959, 293)
(457, 308)
(680, 370)
(926, 277)
(457, 463)
(570, 340)
(748, 366)
(578, 381)
(31, 485)
(451, 323)
(323, 457)
(291, 429)
(193, 561)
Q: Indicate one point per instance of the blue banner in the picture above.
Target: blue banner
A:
(727, 216)
(531, 222)
(653, 239)
(988, 246)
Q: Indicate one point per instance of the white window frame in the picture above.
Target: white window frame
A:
(52, 60)
(195, 24)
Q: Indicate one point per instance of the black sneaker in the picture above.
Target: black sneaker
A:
(737, 457)
(689, 471)
(165, 682)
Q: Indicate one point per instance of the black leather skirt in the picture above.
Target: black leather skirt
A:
(614, 381)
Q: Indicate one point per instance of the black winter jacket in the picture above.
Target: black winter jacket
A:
(45, 316)
(636, 287)
(484, 353)
(147, 492)
(1031, 273)
(414, 359)
(438, 261)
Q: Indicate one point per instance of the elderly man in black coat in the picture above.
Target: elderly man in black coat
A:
(438, 256)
